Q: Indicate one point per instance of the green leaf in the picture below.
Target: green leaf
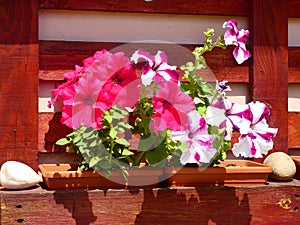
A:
(94, 161)
(125, 125)
(157, 155)
(105, 164)
(112, 133)
(63, 141)
(122, 141)
(127, 152)
(107, 117)
(117, 115)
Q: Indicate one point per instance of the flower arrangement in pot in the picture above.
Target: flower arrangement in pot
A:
(177, 117)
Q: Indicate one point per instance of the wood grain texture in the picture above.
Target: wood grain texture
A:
(294, 8)
(267, 204)
(18, 81)
(294, 64)
(293, 131)
(207, 7)
(51, 130)
(269, 68)
(201, 7)
(59, 57)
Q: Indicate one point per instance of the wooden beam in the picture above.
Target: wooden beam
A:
(59, 57)
(51, 130)
(19, 81)
(199, 7)
(268, 76)
(276, 203)
(293, 131)
(294, 8)
(294, 64)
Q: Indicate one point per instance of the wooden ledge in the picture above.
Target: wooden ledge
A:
(274, 203)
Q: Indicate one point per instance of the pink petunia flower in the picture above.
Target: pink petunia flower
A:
(156, 67)
(171, 106)
(200, 148)
(121, 88)
(238, 38)
(86, 109)
(90, 60)
(96, 88)
(66, 89)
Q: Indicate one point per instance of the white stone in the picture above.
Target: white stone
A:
(282, 164)
(17, 175)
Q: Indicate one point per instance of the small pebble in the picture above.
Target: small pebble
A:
(283, 166)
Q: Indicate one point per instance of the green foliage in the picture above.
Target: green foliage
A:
(105, 149)
(108, 148)
(204, 92)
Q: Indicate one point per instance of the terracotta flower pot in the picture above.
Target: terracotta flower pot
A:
(297, 163)
(228, 173)
(66, 176)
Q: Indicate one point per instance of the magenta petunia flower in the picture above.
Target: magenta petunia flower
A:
(90, 60)
(256, 139)
(200, 148)
(172, 106)
(97, 87)
(66, 89)
(238, 38)
(224, 114)
(86, 109)
(156, 67)
(121, 88)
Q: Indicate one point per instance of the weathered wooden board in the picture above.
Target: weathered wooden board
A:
(268, 204)
(294, 129)
(269, 68)
(18, 81)
(206, 7)
(59, 57)
(51, 130)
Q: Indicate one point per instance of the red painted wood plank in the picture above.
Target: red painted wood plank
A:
(264, 205)
(293, 131)
(294, 8)
(59, 57)
(294, 64)
(200, 7)
(19, 81)
(51, 130)
(207, 7)
(269, 68)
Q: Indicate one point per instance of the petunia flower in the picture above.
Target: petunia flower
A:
(121, 88)
(72, 78)
(87, 109)
(225, 114)
(66, 89)
(256, 140)
(222, 87)
(90, 60)
(102, 80)
(200, 148)
(172, 106)
(238, 38)
(156, 67)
